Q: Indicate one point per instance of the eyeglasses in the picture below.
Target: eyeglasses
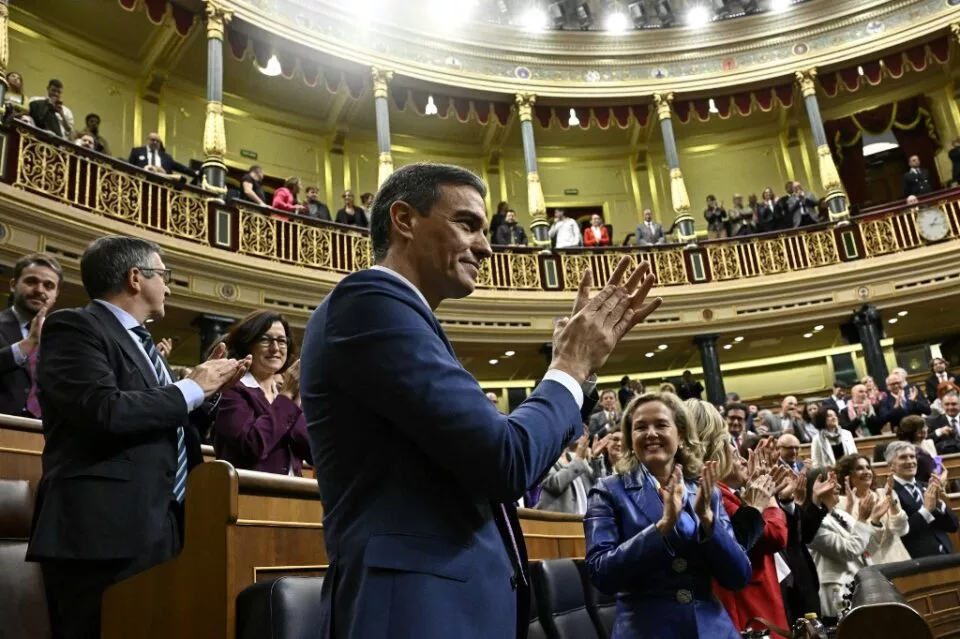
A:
(266, 341)
(166, 274)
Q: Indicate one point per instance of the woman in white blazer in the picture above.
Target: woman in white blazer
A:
(840, 545)
(831, 442)
(855, 474)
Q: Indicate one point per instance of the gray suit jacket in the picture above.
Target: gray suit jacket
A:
(599, 420)
(646, 238)
(559, 494)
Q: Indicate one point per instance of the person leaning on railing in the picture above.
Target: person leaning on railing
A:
(285, 197)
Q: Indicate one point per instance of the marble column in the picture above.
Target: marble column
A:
(381, 80)
(214, 135)
(683, 221)
(835, 196)
(211, 329)
(4, 48)
(710, 360)
(539, 227)
(869, 327)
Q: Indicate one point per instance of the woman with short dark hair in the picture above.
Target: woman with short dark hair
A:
(260, 425)
(856, 477)
(913, 429)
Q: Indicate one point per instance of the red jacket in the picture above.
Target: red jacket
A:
(283, 199)
(761, 597)
(590, 240)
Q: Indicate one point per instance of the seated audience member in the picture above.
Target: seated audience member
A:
(14, 93)
(936, 406)
(314, 207)
(498, 218)
(689, 387)
(260, 425)
(649, 232)
(34, 289)
(931, 520)
(740, 217)
(916, 181)
(761, 597)
(351, 214)
(93, 129)
(121, 436)
(788, 421)
(938, 375)
(50, 114)
(789, 448)
(251, 186)
(913, 429)
(901, 401)
(839, 547)
(606, 452)
(802, 207)
(838, 399)
(564, 231)
(565, 487)
(736, 417)
(831, 442)
(657, 537)
(155, 159)
(859, 417)
(945, 428)
(855, 474)
(596, 234)
(285, 197)
(716, 218)
(86, 141)
(509, 233)
(607, 419)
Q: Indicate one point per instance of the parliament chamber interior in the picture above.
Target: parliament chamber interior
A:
(788, 171)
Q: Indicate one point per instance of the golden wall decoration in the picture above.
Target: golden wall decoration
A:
(772, 256)
(118, 195)
(724, 261)
(42, 167)
(878, 237)
(258, 234)
(670, 267)
(214, 132)
(821, 248)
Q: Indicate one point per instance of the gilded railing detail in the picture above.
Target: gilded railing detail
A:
(670, 267)
(316, 247)
(258, 234)
(574, 266)
(821, 248)
(724, 261)
(362, 252)
(772, 256)
(43, 167)
(879, 237)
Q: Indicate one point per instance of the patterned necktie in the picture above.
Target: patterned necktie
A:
(914, 491)
(180, 483)
(33, 403)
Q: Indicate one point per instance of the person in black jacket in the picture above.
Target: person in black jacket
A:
(350, 214)
(120, 436)
(153, 157)
(954, 155)
(805, 512)
(916, 181)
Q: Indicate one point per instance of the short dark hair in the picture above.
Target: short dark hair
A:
(624, 380)
(846, 465)
(839, 383)
(737, 406)
(366, 196)
(55, 83)
(37, 259)
(311, 188)
(245, 333)
(92, 115)
(255, 167)
(419, 186)
(820, 420)
(107, 260)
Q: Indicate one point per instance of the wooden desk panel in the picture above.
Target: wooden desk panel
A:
(936, 596)
(950, 462)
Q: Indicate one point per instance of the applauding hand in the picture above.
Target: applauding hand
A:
(672, 496)
(702, 503)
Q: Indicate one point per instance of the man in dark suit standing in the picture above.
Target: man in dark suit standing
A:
(119, 436)
(944, 429)
(931, 520)
(901, 401)
(938, 375)
(154, 158)
(34, 287)
(417, 487)
(607, 419)
(916, 181)
(649, 232)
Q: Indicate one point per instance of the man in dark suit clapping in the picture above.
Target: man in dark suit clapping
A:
(119, 435)
(931, 520)
(35, 286)
(153, 157)
(916, 181)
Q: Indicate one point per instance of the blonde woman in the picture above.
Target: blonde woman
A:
(855, 474)
(659, 538)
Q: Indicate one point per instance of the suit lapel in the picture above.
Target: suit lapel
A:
(643, 492)
(10, 326)
(124, 341)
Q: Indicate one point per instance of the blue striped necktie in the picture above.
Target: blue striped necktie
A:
(180, 483)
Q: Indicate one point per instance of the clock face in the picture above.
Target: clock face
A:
(933, 225)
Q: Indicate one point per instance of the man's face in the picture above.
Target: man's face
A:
(153, 141)
(87, 141)
(904, 465)
(738, 201)
(54, 93)
(838, 391)
(559, 215)
(348, 197)
(788, 405)
(894, 385)
(951, 405)
(914, 162)
(93, 123)
(609, 401)
(939, 366)
(711, 202)
(312, 195)
(859, 393)
(153, 290)
(449, 244)
(789, 447)
(511, 217)
(797, 187)
(36, 289)
(648, 216)
(735, 421)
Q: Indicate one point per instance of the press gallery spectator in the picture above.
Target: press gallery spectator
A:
(509, 233)
(351, 214)
(285, 198)
(93, 129)
(596, 234)
(251, 186)
(564, 231)
(50, 113)
(314, 207)
(716, 218)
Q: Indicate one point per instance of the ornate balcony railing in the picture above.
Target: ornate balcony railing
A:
(50, 167)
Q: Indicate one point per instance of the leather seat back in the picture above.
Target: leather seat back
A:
(284, 608)
(535, 630)
(23, 604)
(601, 606)
(560, 600)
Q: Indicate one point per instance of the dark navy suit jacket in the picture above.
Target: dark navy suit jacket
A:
(412, 465)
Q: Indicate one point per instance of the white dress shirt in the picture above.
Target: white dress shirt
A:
(566, 232)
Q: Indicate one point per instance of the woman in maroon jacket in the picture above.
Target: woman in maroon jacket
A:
(260, 425)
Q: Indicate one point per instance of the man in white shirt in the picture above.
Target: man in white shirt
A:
(930, 518)
(564, 231)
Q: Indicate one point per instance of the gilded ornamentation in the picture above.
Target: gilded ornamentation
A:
(829, 176)
(525, 102)
(772, 257)
(362, 252)
(955, 30)
(485, 274)
(187, 216)
(384, 168)
(217, 18)
(678, 191)
(214, 134)
(119, 195)
(663, 101)
(806, 80)
(724, 261)
(537, 205)
(821, 248)
(315, 246)
(4, 41)
(524, 271)
(878, 237)
(258, 234)
(670, 267)
(42, 167)
(381, 78)
(574, 266)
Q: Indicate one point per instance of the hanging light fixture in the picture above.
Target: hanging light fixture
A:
(431, 108)
(273, 67)
(574, 120)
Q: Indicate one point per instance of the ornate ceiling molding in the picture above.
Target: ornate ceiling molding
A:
(566, 64)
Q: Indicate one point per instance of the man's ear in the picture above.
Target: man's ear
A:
(402, 217)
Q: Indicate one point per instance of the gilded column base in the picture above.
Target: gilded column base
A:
(385, 168)
(829, 176)
(539, 226)
(214, 178)
(683, 222)
(836, 201)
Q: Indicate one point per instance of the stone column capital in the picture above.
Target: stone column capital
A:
(807, 81)
(217, 19)
(381, 80)
(663, 102)
(525, 102)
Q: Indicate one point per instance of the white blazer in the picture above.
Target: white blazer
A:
(885, 547)
(839, 554)
(823, 455)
